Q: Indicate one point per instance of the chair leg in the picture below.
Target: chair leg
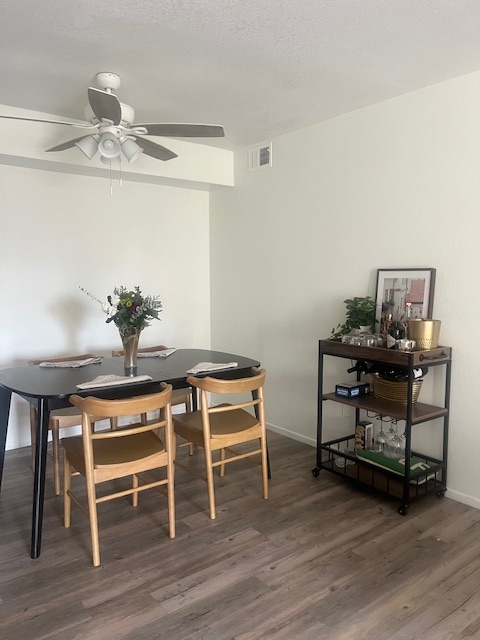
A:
(222, 466)
(56, 458)
(263, 444)
(67, 483)
(188, 409)
(174, 446)
(210, 481)
(135, 486)
(171, 498)
(92, 513)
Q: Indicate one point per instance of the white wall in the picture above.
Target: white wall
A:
(393, 185)
(59, 231)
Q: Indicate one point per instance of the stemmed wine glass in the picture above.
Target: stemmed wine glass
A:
(395, 447)
(380, 440)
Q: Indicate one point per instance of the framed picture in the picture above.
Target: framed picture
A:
(404, 294)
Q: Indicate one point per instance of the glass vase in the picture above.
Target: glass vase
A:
(130, 350)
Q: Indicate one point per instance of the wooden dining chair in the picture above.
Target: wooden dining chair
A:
(221, 427)
(59, 419)
(102, 456)
(179, 396)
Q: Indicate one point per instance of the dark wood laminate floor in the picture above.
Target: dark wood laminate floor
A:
(319, 560)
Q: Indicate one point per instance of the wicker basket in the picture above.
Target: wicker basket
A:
(394, 391)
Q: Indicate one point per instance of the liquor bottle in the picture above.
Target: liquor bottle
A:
(396, 332)
(384, 327)
(361, 366)
(397, 374)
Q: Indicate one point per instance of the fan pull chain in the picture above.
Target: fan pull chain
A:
(120, 171)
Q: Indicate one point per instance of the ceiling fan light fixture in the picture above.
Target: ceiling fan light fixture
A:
(128, 114)
(131, 149)
(88, 145)
(109, 146)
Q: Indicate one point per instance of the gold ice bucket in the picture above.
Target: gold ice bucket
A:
(425, 333)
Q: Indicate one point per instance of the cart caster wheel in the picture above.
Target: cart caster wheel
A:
(403, 510)
(316, 472)
(440, 493)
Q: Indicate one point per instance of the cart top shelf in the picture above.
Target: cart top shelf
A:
(440, 355)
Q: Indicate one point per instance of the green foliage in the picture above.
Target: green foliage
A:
(130, 311)
(360, 313)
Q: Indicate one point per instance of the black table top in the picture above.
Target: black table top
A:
(39, 382)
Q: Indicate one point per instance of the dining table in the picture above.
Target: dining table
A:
(49, 388)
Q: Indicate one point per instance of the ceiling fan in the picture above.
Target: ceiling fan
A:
(111, 128)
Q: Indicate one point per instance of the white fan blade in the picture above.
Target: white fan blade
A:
(70, 124)
(65, 145)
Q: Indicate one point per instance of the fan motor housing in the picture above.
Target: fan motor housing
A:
(108, 80)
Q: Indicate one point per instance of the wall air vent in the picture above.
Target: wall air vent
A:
(260, 156)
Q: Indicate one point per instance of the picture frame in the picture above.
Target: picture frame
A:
(404, 294)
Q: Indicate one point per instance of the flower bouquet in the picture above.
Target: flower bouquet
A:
(131, 312)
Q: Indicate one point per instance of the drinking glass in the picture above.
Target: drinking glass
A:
(380, 441)
(395, 447)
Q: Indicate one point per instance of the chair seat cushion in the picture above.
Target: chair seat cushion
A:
(63, 418)
(222, 425)
(114, 451)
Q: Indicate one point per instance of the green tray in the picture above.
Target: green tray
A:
(418, 467)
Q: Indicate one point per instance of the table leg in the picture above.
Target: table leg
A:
(43, 417)
(5, 400)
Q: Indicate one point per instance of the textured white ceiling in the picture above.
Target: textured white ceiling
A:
(259, 67)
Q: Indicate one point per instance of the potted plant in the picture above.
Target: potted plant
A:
(360, 315)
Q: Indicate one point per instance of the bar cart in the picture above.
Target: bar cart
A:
(429, 474)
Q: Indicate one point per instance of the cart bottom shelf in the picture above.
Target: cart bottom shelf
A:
(344, 463)
(375, 480)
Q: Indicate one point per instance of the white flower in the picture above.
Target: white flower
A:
(111, 307)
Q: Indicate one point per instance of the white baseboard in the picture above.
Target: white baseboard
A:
(292, 434)
(463, 498)
(15, 443)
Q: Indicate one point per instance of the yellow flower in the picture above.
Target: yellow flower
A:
(128, 304)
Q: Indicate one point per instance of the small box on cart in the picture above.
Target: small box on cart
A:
(352, 389)
(363, 435)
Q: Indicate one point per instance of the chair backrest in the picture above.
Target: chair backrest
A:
(82, 356)
(121, 352)
(95, 409)
(253, 384)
